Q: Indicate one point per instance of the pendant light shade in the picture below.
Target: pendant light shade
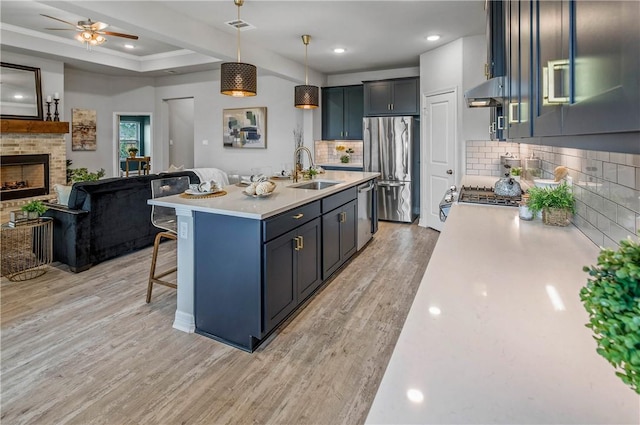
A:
(306, 96)
(237, 78)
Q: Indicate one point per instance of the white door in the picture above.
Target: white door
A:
(439, 154)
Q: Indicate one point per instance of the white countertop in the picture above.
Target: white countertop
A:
(496, 332)
(284, 198)
(342, 164)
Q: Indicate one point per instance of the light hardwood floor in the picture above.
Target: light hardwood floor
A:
(86, 349)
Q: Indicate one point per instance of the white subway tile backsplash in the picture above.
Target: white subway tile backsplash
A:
(610, 172)
(626, 218)
(606, 188)
(627, 176)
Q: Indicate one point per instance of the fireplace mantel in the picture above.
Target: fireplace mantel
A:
(34, 127)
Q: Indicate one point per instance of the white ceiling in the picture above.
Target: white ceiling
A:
(183, 36)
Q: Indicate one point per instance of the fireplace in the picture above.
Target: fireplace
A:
(23, 176)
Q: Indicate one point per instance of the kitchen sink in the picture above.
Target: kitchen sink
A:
(315, 185)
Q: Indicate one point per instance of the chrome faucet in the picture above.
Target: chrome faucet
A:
(295, 157)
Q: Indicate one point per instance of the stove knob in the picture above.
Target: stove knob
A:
(453, 188)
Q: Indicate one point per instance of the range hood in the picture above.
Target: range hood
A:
(488, 94)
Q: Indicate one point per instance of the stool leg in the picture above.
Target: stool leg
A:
(152, 272)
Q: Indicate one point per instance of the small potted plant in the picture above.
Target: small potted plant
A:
(133, 151)
(612, 300)
(347, 156)
(34, 209)
(83, 175)
(557, 204)
(516, 172)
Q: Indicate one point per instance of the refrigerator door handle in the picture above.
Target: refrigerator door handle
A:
(391, 184)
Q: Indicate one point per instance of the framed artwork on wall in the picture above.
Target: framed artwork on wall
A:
(21, 97)
(245, 128)
(83, 130)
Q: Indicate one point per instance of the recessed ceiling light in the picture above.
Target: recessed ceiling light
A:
(434, 37)
(129, 46)
(338, 50)
(18, 96)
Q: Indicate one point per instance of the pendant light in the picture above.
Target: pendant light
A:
(236, 78)
(306, 96)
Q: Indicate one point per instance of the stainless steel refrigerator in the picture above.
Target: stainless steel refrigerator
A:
(391, 148)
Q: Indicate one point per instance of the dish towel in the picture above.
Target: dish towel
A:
(208, 174)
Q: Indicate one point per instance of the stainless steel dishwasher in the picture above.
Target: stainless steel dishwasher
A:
(366, 218)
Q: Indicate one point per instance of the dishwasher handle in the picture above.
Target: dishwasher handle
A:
(368, 188)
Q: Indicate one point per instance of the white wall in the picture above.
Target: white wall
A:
(181, 141)
(458, 65)
(274, 93)
(106, 95)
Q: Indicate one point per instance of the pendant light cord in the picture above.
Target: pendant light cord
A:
(238, 28)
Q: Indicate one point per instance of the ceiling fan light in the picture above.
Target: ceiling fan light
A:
(306, 97)
(100, 39)
(86, 35)
(238, 79)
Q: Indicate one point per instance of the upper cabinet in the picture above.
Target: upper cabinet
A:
(342, 113)
(518, 21)
(392, 97)
(604, 68)
(573, 68)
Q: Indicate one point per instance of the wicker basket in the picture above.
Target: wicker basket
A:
(556, 217)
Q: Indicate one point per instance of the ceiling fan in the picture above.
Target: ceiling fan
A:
(92, 33)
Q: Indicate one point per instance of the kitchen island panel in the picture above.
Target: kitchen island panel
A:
(228, 279)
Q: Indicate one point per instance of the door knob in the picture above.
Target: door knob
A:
(449, 171)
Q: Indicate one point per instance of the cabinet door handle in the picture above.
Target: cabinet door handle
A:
(561, 65)
(298, 216)
(341, 135)
(343, 217)
(297, 239)
(301, 242)
(346, 134)
(501, 122)
(513, 112)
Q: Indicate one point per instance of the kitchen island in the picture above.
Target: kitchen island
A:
(496, 333)
(245, 263)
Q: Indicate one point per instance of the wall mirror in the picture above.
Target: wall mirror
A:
(20, 92)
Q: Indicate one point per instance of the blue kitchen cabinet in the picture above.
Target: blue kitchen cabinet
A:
(605, 68)
(342, 112)
(392, 97)
(339, 236)
(573, 73)
(518, 45)
(292, 271)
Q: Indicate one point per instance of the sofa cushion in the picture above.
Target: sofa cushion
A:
(62, 193)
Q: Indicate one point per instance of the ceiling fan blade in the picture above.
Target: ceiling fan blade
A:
(60, 29)
(98, 26)
(119, 34)
(60, 20)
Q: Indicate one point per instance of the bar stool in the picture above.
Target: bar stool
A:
(164, 218)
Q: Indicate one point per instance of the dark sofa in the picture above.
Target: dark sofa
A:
(105, 219)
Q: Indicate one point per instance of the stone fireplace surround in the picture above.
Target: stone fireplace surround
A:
(19, 137)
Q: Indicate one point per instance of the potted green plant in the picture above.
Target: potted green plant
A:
(516, 172)
(83, 174)
(612, 300)
(346, 157)
(133, 151)
(34, 209)
(557, 204)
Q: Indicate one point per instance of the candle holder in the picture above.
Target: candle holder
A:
(56, 115)
(48, 111)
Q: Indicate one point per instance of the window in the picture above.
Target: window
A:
(130, 136)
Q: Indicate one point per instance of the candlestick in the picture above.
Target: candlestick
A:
(48, 108)
(56, 95)
(56, 116)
